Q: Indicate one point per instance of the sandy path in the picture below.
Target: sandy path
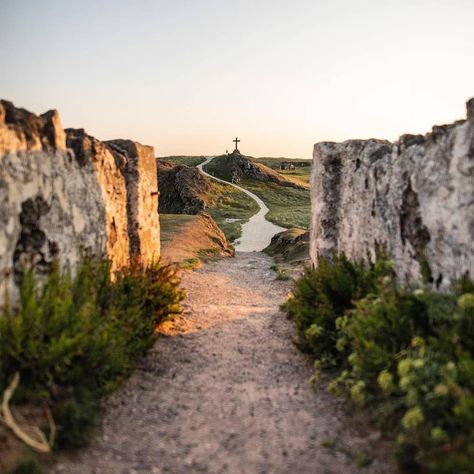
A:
(257, 232)
(226, 391)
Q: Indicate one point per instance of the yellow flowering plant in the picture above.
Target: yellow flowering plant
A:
(407, 354)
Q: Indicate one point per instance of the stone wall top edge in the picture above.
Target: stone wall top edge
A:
(406, 139)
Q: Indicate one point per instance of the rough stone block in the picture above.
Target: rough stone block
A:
(139, 169)
(66, 194)
(415, 197)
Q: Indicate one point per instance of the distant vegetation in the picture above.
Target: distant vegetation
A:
(289, 207)
(301, 173)
(230, 208)
(275, 162)
(184, 160)
(406, 355)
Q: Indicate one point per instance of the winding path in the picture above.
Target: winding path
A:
(257, 232)
(225, 391)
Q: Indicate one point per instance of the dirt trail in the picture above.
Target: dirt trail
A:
(226, 391)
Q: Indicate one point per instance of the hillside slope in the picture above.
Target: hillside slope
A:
(186, 239)
(236, 167)
(183, 189)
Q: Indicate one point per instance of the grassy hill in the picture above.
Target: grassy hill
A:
(289, 207)
(230, 208)
(285, 193)
(236, 165)
(287, 197)
(183, 160)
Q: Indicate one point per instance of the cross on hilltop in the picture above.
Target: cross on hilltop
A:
(236, 141)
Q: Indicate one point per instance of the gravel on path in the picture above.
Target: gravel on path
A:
(225, 390)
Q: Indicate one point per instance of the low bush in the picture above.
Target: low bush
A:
(29, 466)
(75, 339)
(406, 354)
(321, 297)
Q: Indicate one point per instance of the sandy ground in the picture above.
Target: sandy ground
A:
(226, 391)
(257, 232)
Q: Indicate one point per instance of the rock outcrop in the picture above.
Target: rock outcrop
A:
(65, 195)
(414, 198)
(99, 158)
(183, 189)
(291, 245)
(236, 166)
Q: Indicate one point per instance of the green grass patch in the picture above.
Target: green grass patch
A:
(300, 175)
(74, 339)
(406, 355)
(329, 442)
(184, 160)
(230, 208)
(274, 162)
(209, 253)
(289, 207)
(189, 263)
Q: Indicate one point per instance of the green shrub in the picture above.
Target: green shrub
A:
(29, 466)
(76, 416)
(75, 339)
(408, 355)
(321, 296)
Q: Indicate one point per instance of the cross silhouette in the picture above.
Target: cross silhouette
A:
(236, 141)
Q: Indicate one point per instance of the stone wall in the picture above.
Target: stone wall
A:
(66, 194)
(139, 170)
(100, 160)
(414, 197)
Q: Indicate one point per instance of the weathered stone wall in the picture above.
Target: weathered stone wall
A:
(95, 155)
(67, 194)
(415, 197)
(139, 171)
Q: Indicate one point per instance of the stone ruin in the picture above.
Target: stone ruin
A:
(65, 195)
(414, 198)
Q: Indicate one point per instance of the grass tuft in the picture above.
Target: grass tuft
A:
(189, 263)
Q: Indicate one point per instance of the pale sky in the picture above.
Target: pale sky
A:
(186, 76)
